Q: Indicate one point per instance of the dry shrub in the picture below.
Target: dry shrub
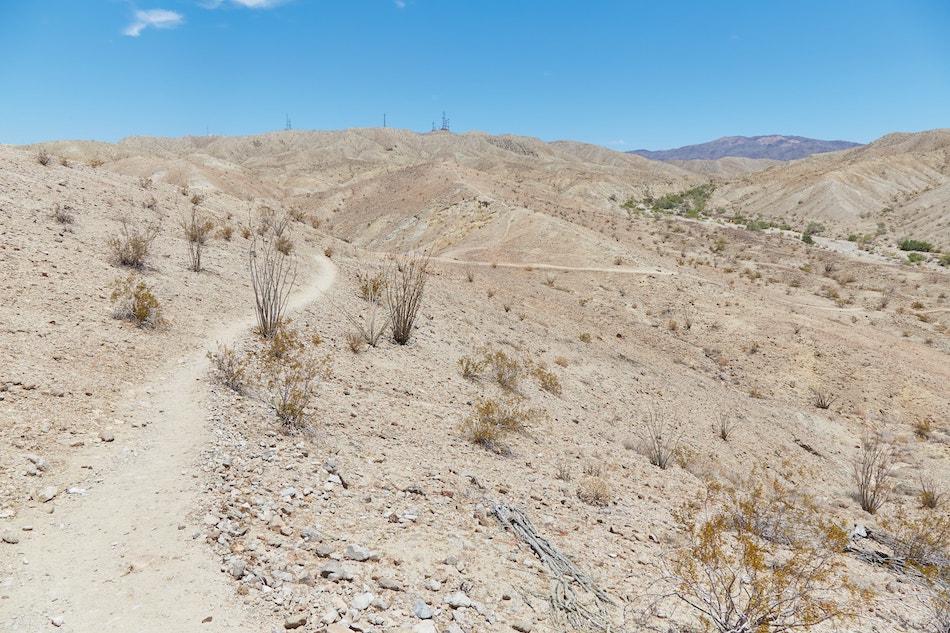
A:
(371, 286)
(131, 246)
(43, 157)
(132, 300)
(197, 228)
(272, 275)
(595, 491)
(929, 497)
(658, 441)
(822, 398)
(547, 380)
(226, 232)
(356, 341)
(404, 290)
(503, 369)
(873, 471)
(63, 214)
(291, 370)
(493, 420)
(725, 424)
(229, 367)
(757, 557)
(471, 367)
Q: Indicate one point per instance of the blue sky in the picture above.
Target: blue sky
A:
(625, 74)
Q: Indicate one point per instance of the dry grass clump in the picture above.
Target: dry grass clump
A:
(546, 380)
(822, 398)
(132, 300)
(493, 420)
(929, 497)
(595, 491)
(507, 371)
(131, 246)
(43, 157)
(371, 286)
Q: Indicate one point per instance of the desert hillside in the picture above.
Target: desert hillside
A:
(499, 471)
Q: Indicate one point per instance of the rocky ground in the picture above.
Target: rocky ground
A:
(140, 492)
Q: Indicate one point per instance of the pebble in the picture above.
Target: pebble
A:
(458, 600)
(426, 626)
(106, 436)
(421, 610)
(42, 464)
(357, 553)
(9, 536)
(362, 601)
(389, 583)
(48, 494)
(57, 621)
(523, 627)
(433, 585)
(295, 621)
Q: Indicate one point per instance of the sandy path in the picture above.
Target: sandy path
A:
(122, 556)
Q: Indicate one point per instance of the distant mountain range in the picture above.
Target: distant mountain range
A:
(775, 147)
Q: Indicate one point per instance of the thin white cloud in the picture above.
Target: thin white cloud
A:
(618, 143)
(400, 4)
(247, 4)
(158, 18)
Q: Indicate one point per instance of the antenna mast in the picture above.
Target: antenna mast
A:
(445, 123)
(288, 126)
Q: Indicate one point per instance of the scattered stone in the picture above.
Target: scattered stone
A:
(9, 536)
(422, 610)
(523, 627)
(329, 616)
(451, 561)
(48, 494)
(433, 585)
(42, 464)
(106, 436)
(426, 626)
(458, 600)
(389, 583)
(238, 568)
(295, 621)
(323, 551)
(311, 535)
(357, 553)
(338, 628)
(57, 621)
(362, 601)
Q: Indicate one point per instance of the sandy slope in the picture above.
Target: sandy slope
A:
(119, 552)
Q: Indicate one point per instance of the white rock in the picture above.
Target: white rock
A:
(362, 601)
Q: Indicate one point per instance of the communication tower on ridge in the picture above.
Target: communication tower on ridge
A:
(445, 123)
(288, 126)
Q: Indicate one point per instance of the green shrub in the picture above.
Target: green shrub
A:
(914, 257)
(915, 245)
(290, 372)
(229, 367)
(132, 300)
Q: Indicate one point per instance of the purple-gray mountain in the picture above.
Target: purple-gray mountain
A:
(776, 147)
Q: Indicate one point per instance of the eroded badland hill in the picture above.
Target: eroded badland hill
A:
(581, 315)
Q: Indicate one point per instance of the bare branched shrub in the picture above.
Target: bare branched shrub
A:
(356, 342)
(43, 157)
(272, 276)
(757, 558)
(404, 290)
(595, 491)
(658, 441)
(503, 369)
(131, 246)
(371, 323)
(822, 398)
(132, 300)
(229, 367)
(197, 228)
(291, 370)
(873, 471)
(471, 367)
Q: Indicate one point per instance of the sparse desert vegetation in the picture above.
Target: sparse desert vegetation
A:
(679, 396)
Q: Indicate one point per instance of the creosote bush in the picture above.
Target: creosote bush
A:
(229, 367)
(290, 371)
(493, 420)
(132, 300)
(758, 557)
(131, 246)
(595, 491)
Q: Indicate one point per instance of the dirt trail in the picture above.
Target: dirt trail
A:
(121, 555)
